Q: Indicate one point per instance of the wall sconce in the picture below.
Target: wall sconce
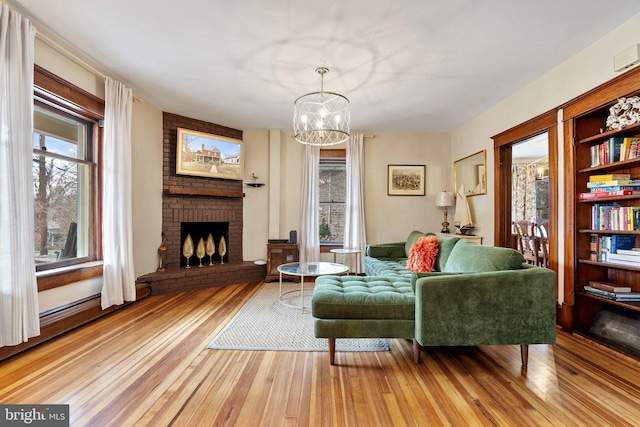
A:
(445, 199)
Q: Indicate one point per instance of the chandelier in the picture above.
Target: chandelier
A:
(321, 118)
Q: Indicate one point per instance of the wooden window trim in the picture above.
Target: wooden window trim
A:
(58, 93)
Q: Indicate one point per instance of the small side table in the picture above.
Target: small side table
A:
(346, 252)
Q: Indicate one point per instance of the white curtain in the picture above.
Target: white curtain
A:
(18, 286)
(309, 246)
(355, 236)
(117, 243)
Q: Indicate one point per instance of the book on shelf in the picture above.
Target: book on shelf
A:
(609, 177)
(616, 257)
(613, 183)
(632, 251)
(621, 242)
(629, 149)
(615, 296)
(604, 194)
(609, 287)
(593, 247)
(604, 248)
(614, 188)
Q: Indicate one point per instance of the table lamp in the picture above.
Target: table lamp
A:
(445, 199)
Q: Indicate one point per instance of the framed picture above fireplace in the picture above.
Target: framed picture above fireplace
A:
(208, 155)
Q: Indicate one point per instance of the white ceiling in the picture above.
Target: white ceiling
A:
(405, 65)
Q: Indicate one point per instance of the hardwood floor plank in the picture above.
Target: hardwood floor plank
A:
(148, 365)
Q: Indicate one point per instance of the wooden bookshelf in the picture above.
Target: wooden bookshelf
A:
(582, 131)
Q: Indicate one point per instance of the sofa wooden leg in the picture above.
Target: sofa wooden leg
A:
(524, 355)
(416, 351)
(332, 350)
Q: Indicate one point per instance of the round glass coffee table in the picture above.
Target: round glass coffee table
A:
(307, 269)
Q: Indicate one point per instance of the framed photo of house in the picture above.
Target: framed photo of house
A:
(208, 155)
(406, 180)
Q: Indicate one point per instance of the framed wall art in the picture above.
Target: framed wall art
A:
(406, 180)
(208, 155)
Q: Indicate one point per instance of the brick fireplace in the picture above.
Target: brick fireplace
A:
(210, 202)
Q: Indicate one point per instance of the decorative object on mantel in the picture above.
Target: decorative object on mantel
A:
(254, 183)
(162, 252)
(321, 118)
(222, 249)
(462, 218)
(187, 249)
(200, 251)
(445, 199)
(624, 113)
(210, 247)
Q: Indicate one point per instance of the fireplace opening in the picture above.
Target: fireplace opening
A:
(202, 230)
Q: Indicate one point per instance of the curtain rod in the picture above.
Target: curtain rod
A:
(369, 136)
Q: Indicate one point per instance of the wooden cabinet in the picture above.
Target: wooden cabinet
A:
(278, 254)
(594, 218)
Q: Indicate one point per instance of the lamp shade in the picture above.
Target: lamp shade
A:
(445, 198)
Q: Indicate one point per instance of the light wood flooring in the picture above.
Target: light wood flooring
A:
(148, 364)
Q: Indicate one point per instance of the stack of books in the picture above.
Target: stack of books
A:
(610, 185)
(612, 291)
(626, 257)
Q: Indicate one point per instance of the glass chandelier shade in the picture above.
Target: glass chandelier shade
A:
(321, 118)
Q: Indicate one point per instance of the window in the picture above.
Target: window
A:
(66, 184)
(62, 183)
(332, 196)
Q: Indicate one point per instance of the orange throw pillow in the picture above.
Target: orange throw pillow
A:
(422, 256)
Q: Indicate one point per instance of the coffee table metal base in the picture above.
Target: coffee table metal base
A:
(307, 269)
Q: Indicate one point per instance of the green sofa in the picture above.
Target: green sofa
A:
(476, 295)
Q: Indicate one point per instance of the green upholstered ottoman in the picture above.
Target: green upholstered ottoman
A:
(363, 307)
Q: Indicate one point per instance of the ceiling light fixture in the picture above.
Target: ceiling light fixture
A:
(321, 118)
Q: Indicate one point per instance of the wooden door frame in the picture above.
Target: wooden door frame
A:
(502, 146)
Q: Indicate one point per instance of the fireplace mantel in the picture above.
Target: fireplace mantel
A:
(202, 192)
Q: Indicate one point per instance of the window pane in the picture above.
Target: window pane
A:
(332, 197)
(61, 190)
(59, 134)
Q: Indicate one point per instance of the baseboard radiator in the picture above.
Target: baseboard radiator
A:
(63, 319)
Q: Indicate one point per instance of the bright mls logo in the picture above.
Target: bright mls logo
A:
(34, 415)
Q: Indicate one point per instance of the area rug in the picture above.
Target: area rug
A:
(264, 323)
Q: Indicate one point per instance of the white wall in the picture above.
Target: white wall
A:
(392, 218)
(146, 160)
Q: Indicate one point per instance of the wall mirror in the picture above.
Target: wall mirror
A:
(472, 172)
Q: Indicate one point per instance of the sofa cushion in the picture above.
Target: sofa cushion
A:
(445, 245)
(423, 253)
(467, 257)
(411, 240)
(391, 250)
